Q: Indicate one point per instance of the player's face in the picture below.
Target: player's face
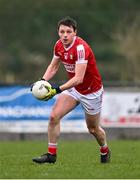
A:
(66, 35)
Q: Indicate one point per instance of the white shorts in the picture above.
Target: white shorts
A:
(91, 103)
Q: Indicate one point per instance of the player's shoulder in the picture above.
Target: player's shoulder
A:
(58, 45)
(80, 41)
(58, 42)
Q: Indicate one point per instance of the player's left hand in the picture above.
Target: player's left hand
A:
(52, 92)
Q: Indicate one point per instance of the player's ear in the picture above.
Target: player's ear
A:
(75, 31)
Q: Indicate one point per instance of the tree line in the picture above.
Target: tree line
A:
(28, 33)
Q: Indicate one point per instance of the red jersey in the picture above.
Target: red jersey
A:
(80, 52)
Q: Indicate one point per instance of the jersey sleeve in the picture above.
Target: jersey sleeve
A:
(82, 54)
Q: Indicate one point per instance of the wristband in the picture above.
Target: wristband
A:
(58, 90)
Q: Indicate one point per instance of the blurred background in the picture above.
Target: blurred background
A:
(28, 34)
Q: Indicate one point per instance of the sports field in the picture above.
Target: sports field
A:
(76, 159)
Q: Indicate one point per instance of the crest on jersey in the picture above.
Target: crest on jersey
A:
(71, 56)
(65, 56)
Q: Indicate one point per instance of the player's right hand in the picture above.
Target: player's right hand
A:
(52, 92)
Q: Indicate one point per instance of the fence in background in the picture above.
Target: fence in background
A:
(20, 112)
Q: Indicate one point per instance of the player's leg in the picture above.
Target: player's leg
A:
(94, 128)
(93, 125)
(64, 104)
(92, 105)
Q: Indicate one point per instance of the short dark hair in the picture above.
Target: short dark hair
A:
(67, 21)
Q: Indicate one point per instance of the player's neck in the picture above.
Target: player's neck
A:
(70, 45)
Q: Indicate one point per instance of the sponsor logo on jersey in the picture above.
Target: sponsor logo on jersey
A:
(69, 67)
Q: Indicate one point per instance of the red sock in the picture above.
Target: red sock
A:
(52, 148)
(104, 150)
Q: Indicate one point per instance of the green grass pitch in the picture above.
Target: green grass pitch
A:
(76, 160)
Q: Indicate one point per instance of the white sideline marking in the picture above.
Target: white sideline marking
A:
(15, 95)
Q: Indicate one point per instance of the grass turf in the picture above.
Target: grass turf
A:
(76, 160)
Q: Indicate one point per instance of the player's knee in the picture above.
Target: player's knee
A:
(93, 130)
(54, 119)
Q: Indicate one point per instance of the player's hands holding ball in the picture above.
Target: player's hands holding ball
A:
(43, 90)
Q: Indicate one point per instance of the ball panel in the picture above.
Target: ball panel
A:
(40, 89)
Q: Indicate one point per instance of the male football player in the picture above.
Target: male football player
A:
(84, 86)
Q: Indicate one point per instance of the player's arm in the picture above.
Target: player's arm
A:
(52, 68)
(80, 70)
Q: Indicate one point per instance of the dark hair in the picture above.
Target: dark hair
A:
(67, 21)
